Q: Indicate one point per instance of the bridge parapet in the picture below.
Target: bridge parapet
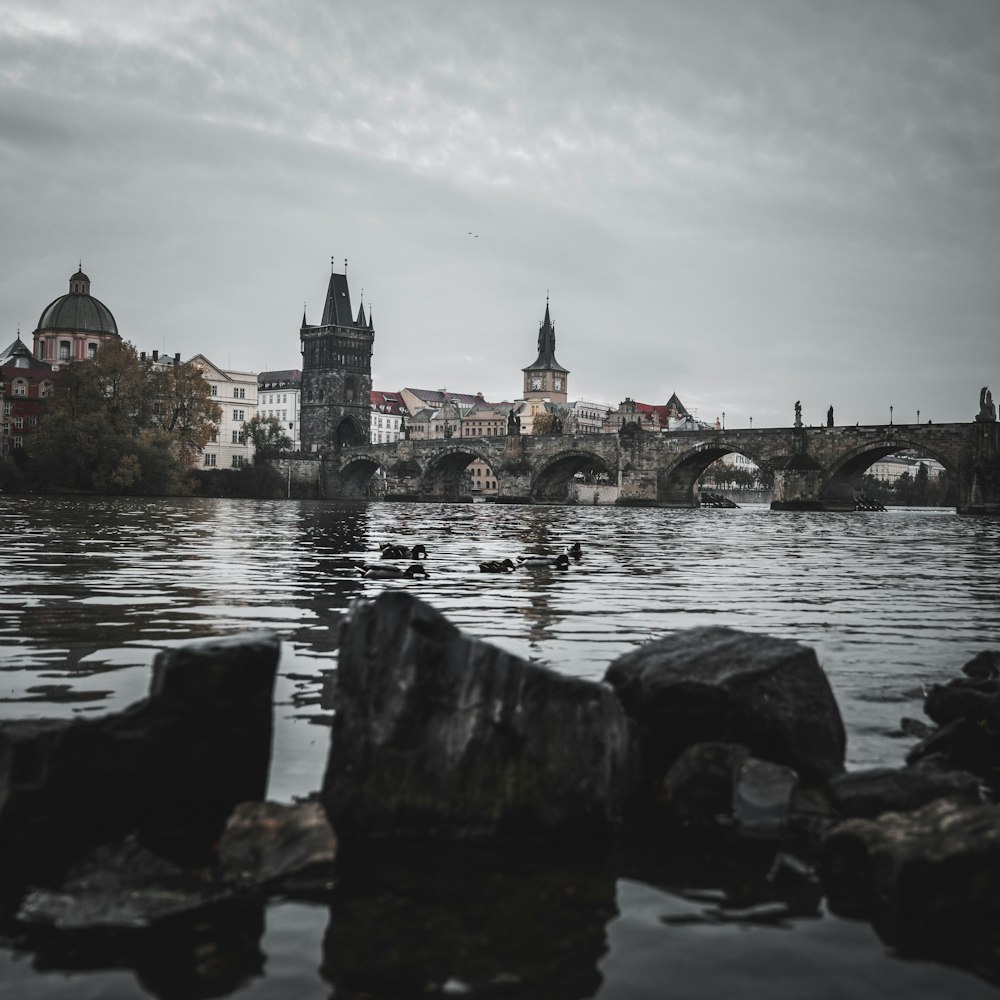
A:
(817, 467)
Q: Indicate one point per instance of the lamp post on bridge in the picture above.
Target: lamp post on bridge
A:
(890, 414)
(723, 419)
(751, 423)
(918, 416)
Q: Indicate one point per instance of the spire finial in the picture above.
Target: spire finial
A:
(333, 264)
(345, 265)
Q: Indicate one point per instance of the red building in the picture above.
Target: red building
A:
(25, 384)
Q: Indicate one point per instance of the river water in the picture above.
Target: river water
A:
(891, 602)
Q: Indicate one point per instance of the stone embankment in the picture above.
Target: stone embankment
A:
(705, 737)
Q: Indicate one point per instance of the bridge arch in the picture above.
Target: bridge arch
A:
(444, 475)
(844, 476)
(676, 481)
(360, 474)
(552, 478)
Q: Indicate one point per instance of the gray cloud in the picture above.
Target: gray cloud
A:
(747, 204)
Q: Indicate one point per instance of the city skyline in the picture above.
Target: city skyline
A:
(748, 205)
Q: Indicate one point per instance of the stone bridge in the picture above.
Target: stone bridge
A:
(815, 468)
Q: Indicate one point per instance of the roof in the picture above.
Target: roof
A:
(18, 355)
(387, 402)
(676, 404)
(442, 396)
(285, 375)
(546, 360)
(78, 311)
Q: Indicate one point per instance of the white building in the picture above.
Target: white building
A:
(388, 409)
(891, 467)
(236, 394)
(587, 417)
(279, 395)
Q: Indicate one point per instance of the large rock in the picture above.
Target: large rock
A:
(439, 733)
(929, 879)
(893, 789)
(271, 842)
(977, 699)
(170, 768)
(725, 686)
(123, 886)
(721, 784)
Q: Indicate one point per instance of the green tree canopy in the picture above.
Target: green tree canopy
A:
(268, 438)
(118, 425)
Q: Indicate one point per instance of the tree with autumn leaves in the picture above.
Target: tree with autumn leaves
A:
(121, 424)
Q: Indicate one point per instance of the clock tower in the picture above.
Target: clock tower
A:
(545, 378)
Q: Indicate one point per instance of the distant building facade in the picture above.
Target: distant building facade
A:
(73, 326)
(236, 394)
(586, 417)
(25, 385)
(336, 373)
(387, 422)
(279, 395)
(889, 469)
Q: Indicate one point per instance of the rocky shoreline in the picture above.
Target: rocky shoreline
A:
(720, 747)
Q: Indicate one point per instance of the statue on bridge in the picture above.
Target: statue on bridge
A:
(829, 417)
(987, 408)
(513, 424)
(404, 429)
(798, 413)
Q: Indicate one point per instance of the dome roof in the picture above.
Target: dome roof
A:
(78, 310)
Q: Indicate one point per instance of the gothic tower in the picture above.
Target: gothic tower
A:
(336, 373)
(545, 378)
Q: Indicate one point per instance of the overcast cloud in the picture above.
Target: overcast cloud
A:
(744, 202)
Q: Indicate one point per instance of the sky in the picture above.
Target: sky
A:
(746, 202)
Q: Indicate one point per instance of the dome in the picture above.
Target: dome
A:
(78, 310)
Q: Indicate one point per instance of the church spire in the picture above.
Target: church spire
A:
(546, 360)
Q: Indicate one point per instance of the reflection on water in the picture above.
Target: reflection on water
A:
(93, 588)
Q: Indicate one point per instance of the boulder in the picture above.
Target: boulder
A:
(268, 842)
(121, 886)
(985, 664)
(929, 879)
(436, 733)
(170, 768)
(977, 699)
(721, 784)
(892, 789)
(963, 745)
(721, 685)
(763, 797)
(699, 784)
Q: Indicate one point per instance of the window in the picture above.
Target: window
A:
(18, 442)
(91, 351)
(239, 393)
(236, 437)
(209, 458)
(32, 421)
(237, 414)
(18, 423)
(45, 390)
(237, 461)
(20, 387)
(7, 408)
(214, 391)
(64, 346)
